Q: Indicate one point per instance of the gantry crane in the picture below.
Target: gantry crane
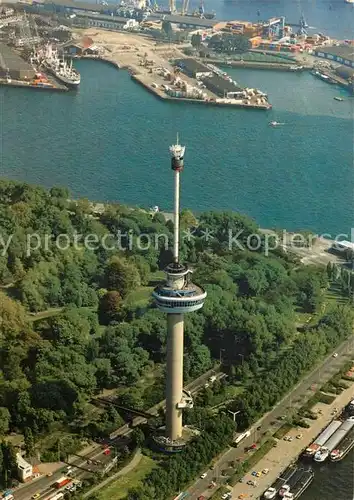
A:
(185, 7)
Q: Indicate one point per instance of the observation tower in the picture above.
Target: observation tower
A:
(177, 296)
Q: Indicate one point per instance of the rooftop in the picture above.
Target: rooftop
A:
(345, 51)
(221, 84)
(11, 60)
(192, 65)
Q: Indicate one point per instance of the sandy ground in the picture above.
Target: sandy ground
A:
(128, 49)
(285, 452)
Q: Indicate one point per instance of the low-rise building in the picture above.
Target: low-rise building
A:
(193, 68)
(13, 66)
(24, 469)
(222, 87)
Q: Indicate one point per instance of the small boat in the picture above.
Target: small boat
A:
(275, 124)
(338, 98)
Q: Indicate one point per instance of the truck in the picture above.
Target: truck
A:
(61, 482)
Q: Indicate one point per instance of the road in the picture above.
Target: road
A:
(81, 468)
(289, 404)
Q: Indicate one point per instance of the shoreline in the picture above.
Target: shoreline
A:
(286, 453)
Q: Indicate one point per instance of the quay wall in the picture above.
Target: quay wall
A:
(257, 65)
(161, 95)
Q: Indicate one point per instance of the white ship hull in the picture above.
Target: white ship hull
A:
(70, 82)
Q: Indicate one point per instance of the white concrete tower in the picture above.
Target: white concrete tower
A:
(177, 297)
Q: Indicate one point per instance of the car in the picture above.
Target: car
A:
(253, 446)
(286, 438)
(282, 417)
(49, 474)
(36, 495)
(107, 451)
(204, 475)
(299, 436)
(335, 355)
(211, 485)
(290, 438)
(254, 473)
(258, 474)
(265, 471)
(201, 497)
(251, 483)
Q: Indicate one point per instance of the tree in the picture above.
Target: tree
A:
(29, 442)
(122, 276)
(196, 40)
(4, 420)
(110, 308)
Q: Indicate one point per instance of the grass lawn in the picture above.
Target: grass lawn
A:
(119, 489)
(139, 297)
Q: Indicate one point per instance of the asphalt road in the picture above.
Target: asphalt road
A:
(288, 405)
(80, 465)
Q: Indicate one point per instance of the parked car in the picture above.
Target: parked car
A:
(204, 475)
(335, 355)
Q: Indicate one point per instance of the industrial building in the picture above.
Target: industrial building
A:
(24, 469)
(343, 54)
(13, 66)
(222, 87)
(85, 19)
(80, 48)
(193, 68)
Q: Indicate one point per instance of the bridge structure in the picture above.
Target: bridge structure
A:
(132, 411)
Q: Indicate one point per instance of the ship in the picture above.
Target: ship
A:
(301, 485)
(273, 490)
(297, 483)
(322, 454)
(322, 438)
(64, 72)
(322, 76)
(344, 447)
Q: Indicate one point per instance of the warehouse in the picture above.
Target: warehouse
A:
(343, 54)
(193, 68)
(222, 87)
(13, 66)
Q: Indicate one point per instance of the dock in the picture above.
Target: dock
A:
(232, 103)
(28, 85)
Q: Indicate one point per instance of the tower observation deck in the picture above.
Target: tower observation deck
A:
(177, 296)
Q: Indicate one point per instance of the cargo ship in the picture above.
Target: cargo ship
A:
(322, 454)
(301, 485)
(64, 72)
(344, 447)
(273, 490)
(287, 488)
(322, 438)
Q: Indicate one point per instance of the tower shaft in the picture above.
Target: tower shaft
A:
(174, 382)
(176, 219)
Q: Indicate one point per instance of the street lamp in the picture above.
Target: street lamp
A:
(234, 413)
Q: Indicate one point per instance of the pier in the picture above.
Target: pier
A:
(28, 85)
(232, 103)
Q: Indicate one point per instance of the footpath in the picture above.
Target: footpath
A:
(132, 464)
(286, 452)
